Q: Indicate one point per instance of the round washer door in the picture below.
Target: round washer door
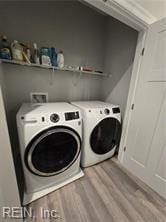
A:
(52, 151)
(105, 136)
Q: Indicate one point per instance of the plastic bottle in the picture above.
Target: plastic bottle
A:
(36, 56)
(53, 57)
(60, 60)
(5, 51)
(28, 52)
(17, 51)
(45, 54)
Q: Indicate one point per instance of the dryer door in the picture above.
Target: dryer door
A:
(105, 136)
(52, 151)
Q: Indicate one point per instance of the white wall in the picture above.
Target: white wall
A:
(120, 50)
(2, 81)
(12, 130)
(156, 7)
(9, 195)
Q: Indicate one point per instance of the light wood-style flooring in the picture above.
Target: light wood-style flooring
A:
(107, 193)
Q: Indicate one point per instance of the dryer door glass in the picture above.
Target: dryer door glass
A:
(52, 151)
(105, 136)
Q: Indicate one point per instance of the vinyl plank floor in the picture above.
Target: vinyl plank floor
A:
(107, 193)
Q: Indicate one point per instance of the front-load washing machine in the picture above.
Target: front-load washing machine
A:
(50, 136)
(101, 130)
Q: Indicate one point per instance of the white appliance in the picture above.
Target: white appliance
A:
(101, 130)
(50, 136)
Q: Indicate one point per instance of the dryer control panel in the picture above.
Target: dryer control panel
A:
(116, 110)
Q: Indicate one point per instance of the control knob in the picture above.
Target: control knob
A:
(107, 111)
(54, 118)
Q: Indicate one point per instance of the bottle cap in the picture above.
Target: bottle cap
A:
(4, 37)
(35, 45)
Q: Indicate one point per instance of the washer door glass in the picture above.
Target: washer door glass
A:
(52, 151)
(105, 136)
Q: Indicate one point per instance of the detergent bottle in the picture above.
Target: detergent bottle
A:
(5, 51)
(17, 51)
(60, 60)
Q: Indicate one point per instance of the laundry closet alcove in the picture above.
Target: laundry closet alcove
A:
(88, 37)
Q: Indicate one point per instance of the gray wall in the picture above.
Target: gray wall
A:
(88, 38)
(70, 26)
(120, 50)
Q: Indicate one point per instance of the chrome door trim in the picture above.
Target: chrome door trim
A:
(29, 159)
(90, 137)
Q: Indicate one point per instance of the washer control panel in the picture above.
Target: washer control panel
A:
(54, 118)
(71, 116)
(109, 111)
